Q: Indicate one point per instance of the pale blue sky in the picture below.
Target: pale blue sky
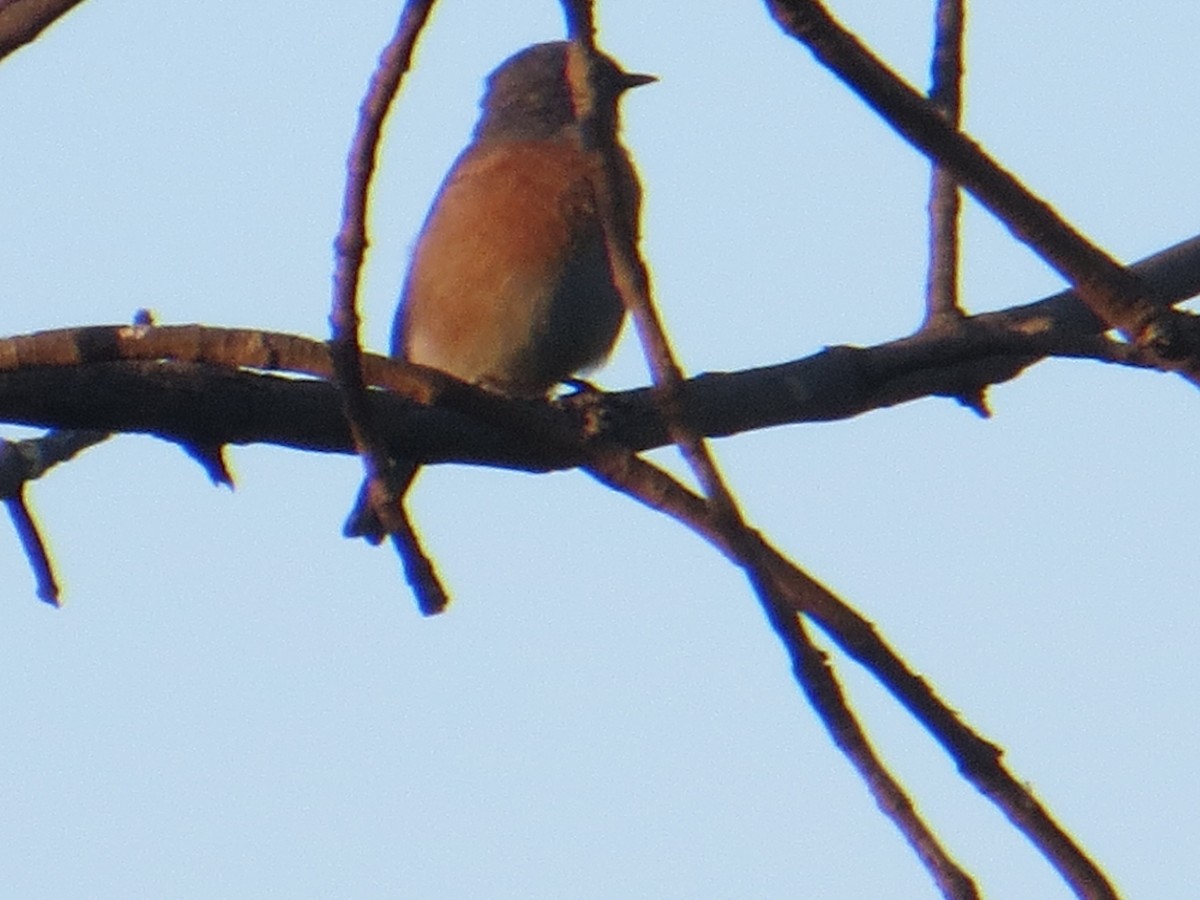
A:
(235, 702)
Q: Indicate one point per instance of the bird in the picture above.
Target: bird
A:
(509, 285)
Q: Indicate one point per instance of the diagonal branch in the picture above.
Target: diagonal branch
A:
(1114, 293)
(650, 485)
(629, 270)
(22, 21)
(978, 759)
(825, 694)
(633, 282)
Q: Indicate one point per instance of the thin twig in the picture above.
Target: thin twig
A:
(387, 481)
(35, 548)
(945, 92)
(22, 462)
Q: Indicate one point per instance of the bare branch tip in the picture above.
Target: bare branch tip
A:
(211, 458)
(977, 402)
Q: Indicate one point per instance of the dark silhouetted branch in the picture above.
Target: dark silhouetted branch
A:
(386, 481)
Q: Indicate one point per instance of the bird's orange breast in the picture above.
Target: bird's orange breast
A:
(509, 282)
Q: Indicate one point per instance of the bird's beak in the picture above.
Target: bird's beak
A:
(633, 79)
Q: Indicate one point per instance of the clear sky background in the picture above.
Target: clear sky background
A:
(235, 702)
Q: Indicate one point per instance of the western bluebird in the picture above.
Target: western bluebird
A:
(509, 285)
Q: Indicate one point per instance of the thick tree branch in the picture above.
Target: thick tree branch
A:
(206, 404)
(67, 379)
